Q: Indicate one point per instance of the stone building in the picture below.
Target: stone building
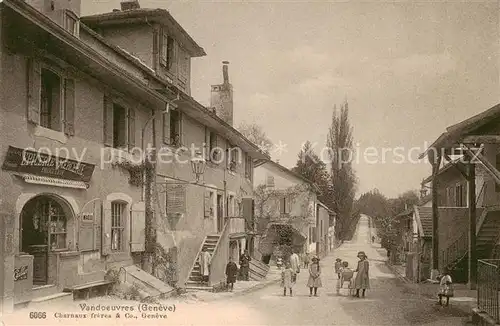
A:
(79, 106)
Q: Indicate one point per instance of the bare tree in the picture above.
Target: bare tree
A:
(256, 135)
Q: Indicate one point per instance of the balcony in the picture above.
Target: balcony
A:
(236, 226)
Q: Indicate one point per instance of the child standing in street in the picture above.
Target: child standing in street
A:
(287, 279)
(231, 273)
(338, 267)
(445, 287)
(314, 281)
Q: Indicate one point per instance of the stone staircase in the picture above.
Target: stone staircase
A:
(487, 235)
(195, 280)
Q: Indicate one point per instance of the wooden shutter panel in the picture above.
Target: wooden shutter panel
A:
(89, 228)
(138, 228)
(156, 47)
(131, 128)
(288, 204)
(248, 210)
(106, 230)
(69, 107)
(282, 205)
(207, 144)
(34, 90)
(176, 199)
(207, 204)
(166, 128)
(108, 121)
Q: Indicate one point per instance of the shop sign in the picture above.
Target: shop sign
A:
(39, 163)
(21, 273)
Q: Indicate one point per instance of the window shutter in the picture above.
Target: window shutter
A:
(207, 144)
(138, 226)
(166, 128)
(89, 228)
(131, 128)
(156, 46)
(108, 121)
(106, 230)
(248, 210)
(288, 204)
(176, 199)
(181, 131)
(315, 234)
(207, 204)
(464, 195)
(69, 107)
(34, 91)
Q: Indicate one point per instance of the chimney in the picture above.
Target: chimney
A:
(130, 5)
(225, 71)
(221, 97)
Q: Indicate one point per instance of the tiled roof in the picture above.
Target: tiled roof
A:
(425, 219)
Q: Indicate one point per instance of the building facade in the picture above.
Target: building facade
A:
(287, 209)
(80, 105)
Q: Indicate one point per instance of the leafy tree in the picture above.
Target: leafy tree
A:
(256, 135)
(310, 166)
(343, 177)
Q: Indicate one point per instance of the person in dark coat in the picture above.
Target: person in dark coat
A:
(245, 265)
(231, 273)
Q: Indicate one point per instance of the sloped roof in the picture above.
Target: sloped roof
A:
(424, 220)
(454, 133)
(145, 16)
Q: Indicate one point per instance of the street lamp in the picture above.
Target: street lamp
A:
(198, 165)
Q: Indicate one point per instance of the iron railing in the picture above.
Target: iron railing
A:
(488, 286)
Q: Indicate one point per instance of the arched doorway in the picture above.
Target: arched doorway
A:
(43, 229)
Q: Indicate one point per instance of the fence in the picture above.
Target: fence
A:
(488, 286)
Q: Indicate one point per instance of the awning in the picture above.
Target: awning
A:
(35, 179)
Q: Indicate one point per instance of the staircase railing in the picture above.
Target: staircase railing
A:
(457, 250)
(196, 259)
(219, 259)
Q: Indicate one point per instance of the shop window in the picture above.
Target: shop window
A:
(117, 225)
(50, 106)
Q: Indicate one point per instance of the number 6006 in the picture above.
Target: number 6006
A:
(38, 315)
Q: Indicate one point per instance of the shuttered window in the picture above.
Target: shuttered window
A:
(118, 125)
(69, 107)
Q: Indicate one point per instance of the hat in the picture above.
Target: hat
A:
(362, 253)
(315, 258)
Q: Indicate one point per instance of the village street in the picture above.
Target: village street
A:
(389, 302)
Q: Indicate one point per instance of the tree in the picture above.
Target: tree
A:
(343, 178)
(310, 166)
(256, 135)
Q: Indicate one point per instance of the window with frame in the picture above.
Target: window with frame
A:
(119, 125)
(71, 22)
(167, 51)
(175, 128)
(51, 99)
(233, 158)
(117, 225)
(248, 167)
(213, 150)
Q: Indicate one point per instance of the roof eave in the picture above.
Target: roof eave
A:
(161, 16)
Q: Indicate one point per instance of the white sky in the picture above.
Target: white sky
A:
(408, 70)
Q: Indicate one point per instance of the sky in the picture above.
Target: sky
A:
(407, 69)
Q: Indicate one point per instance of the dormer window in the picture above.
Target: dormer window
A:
(167, 51)
(71, 22)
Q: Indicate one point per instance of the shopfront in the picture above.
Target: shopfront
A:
(45, 193)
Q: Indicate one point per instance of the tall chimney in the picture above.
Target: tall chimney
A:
(225, 72)
(221, 97)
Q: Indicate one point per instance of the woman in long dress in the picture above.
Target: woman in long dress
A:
(362, 280)
(205, 259)
(314, 281)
